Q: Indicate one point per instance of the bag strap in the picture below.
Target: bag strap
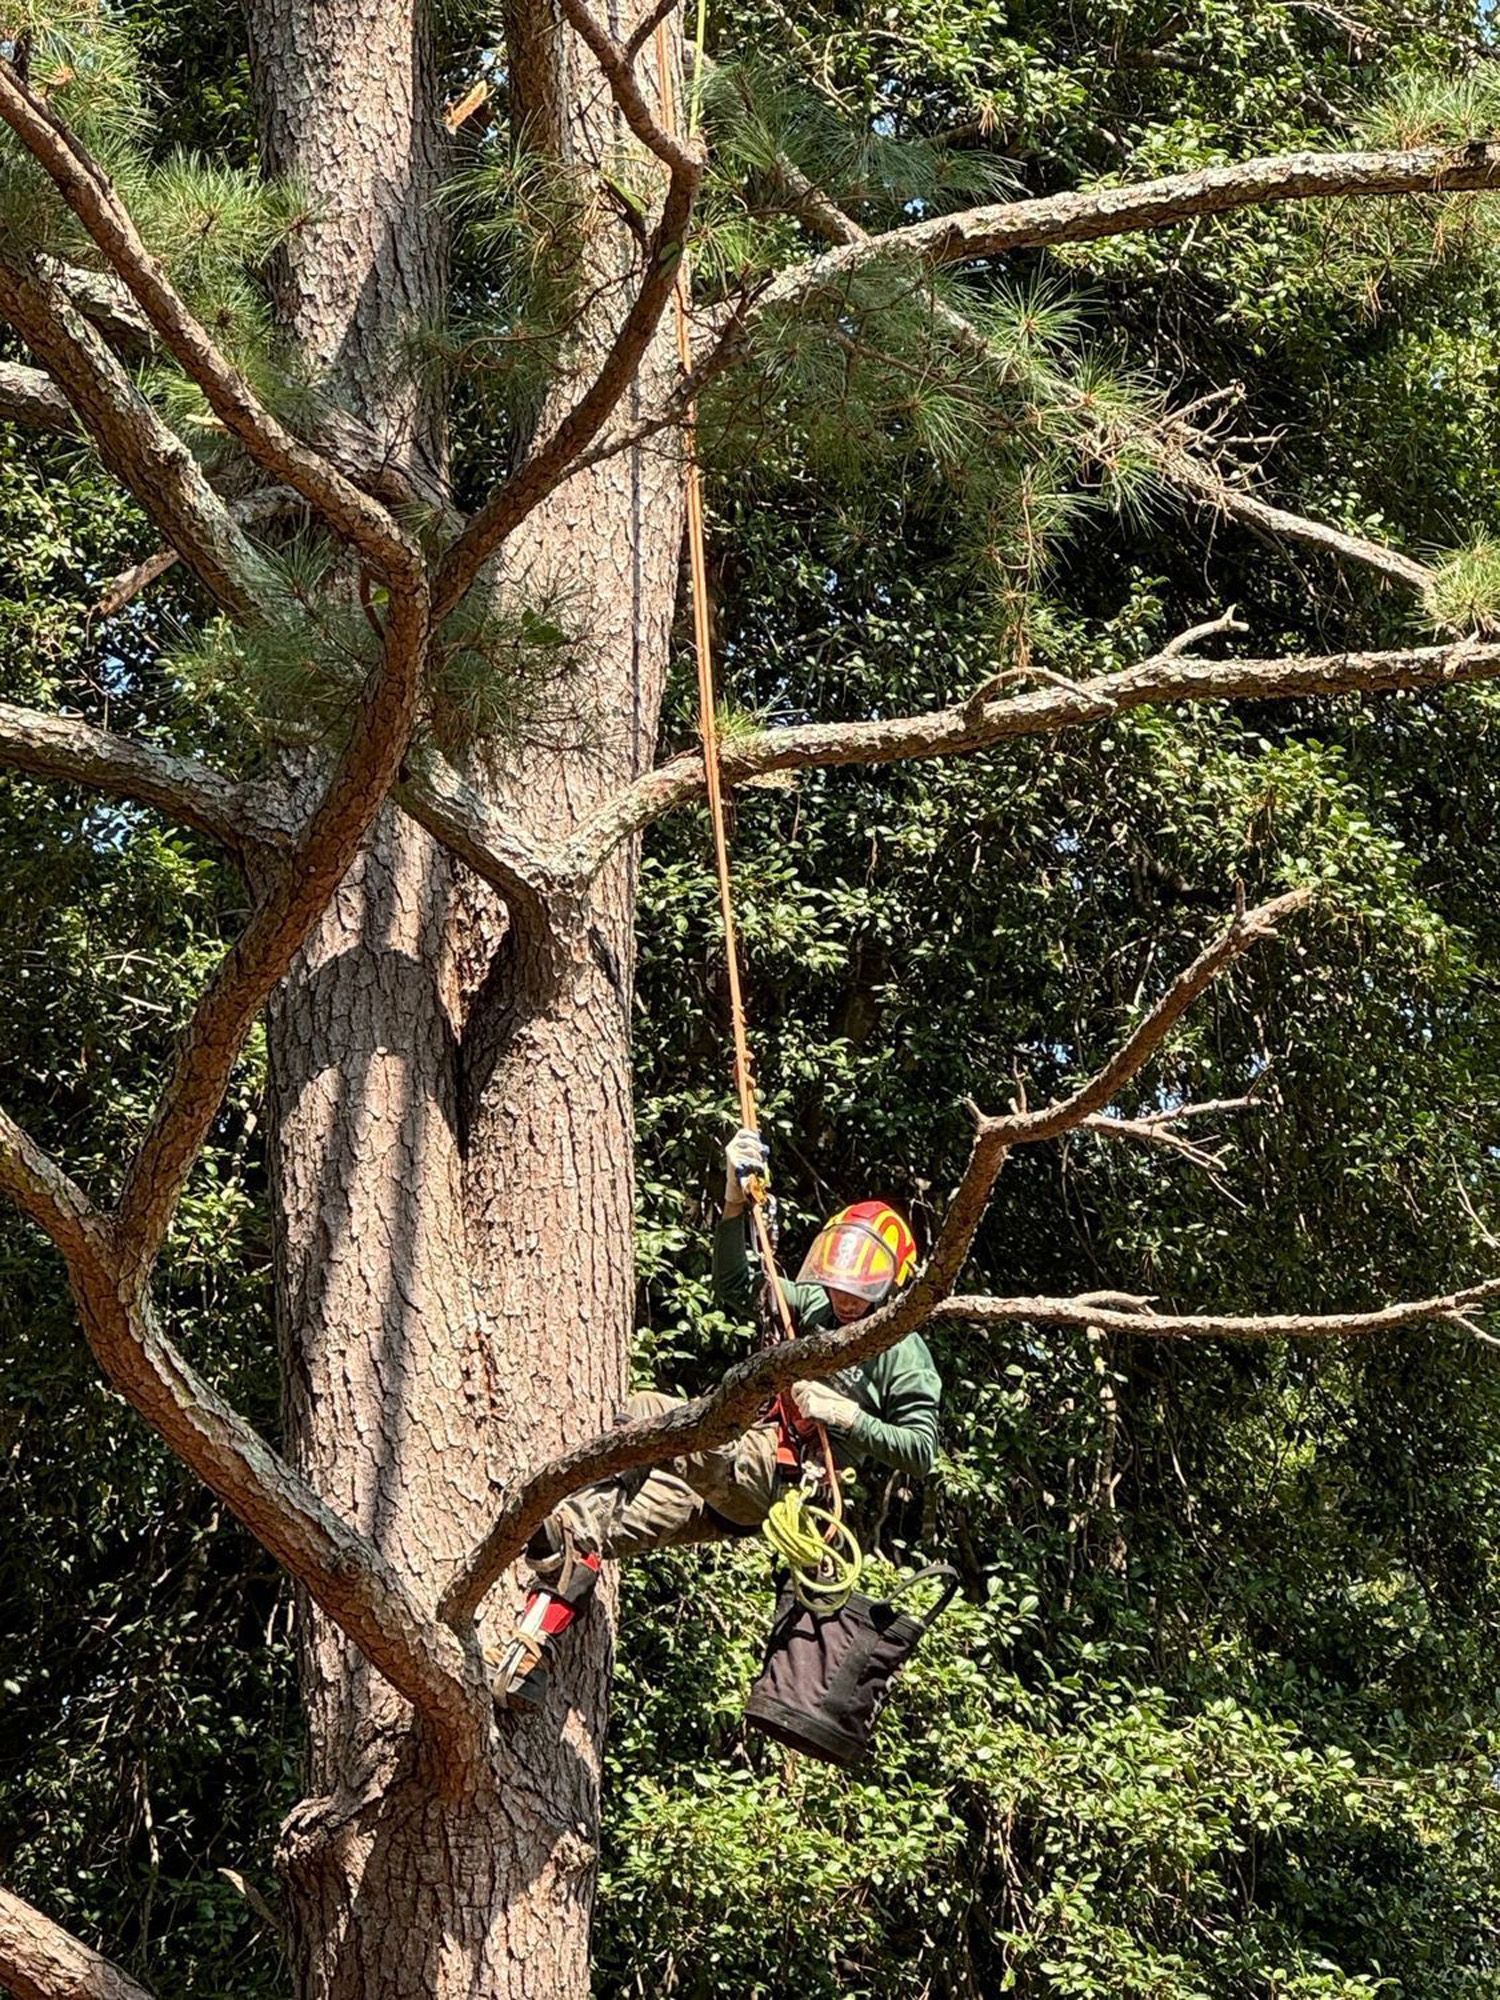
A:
(945, 1597)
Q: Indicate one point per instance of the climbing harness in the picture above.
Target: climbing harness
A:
(819, 1549)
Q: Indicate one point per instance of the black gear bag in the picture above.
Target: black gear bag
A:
(827, 1675)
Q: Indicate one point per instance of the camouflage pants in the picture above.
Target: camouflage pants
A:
(687, 1500)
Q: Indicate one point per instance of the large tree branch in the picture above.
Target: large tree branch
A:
(281, 921)
(733, 1405)
(88, 192)
(343, 1572)
(39, 1960)
(346, 1575)
(243, 818)
(1167, 679)
(38, 1186)
(540, 901)
(997, 229)
(549, 463)
(143, 453)
(1151, 1325)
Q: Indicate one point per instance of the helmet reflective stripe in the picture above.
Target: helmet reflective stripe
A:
(863, 1250)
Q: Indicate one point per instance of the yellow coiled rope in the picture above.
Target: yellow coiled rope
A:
(819, 1550)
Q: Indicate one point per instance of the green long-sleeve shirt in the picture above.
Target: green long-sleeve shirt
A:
(898, 1392)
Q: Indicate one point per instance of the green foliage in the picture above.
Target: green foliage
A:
(521, 220)
(1216, 1715)
(1424, 108)
(1464, 595)
(755, 121)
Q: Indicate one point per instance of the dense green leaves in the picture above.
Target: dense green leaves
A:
(1216, 1715)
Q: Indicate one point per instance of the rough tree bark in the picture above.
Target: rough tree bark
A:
(452, 1128)
(451, 1120)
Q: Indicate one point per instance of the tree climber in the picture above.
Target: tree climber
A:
(884, 1409)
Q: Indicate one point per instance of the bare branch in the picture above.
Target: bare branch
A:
(282, 920)
(999, 228)
(87, 190)
(39, 1960)
(1193, 476)
(733, 1405)
(1217, 1326)
(142, 452)
(1158, 682)
(1158, 1128)
(728, 348)
(347, 1576)
(242, 818)
(550, 461)
(1248, 928)
(1227, 621)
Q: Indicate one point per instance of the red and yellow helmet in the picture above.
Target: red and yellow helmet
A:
(866, 1249)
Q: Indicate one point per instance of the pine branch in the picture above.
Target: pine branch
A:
(107, 306)
(30, 398)
(734, 1404)
(550, 462)
(148, 458)
(1163, 681)
(281, 921)
(1173, 450)
(541, 904)
(1175, 461)
(249, 820)
(38, 1186)
(346, 1575)
(39, 1960)
(998, 229)
(88, 192)
(1149, 1325)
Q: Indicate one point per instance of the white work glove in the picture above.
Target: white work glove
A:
(744, 1157)
(817, 1403)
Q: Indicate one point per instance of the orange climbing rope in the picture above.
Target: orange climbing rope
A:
(708, 731)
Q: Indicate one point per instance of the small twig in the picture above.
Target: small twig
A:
(1227, 621)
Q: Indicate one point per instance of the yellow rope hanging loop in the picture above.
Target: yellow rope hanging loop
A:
(820, 1551)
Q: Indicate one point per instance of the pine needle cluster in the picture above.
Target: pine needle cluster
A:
(293, 676)
(1464, 596)
(1378, 251)
(1013, 431)
(988, 406)
(213, 227)
(521, 222)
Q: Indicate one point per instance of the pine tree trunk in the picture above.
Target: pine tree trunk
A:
(451, 1161)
